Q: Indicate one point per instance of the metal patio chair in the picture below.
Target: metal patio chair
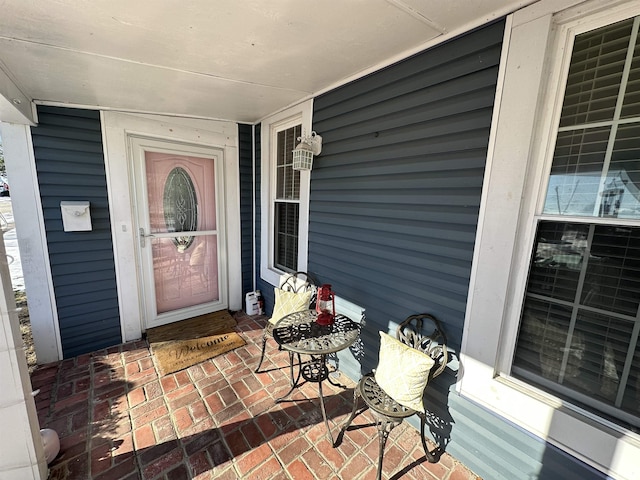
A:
(296, 282)
(387, 411)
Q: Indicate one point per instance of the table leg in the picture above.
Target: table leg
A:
(324, 413)
(295, 381)
(314, 371)
(319, 374)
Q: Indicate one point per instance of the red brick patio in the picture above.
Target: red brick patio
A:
(118, 419)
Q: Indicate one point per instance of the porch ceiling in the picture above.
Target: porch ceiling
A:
(225, 59)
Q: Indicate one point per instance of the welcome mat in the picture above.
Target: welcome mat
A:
(181, 344)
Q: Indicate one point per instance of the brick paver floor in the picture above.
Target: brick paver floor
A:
(117, 418)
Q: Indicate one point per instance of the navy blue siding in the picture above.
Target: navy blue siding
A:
(395, 198)
(70, 166)
(246, 204)
(266, 291)
(395, 194)
(265, 288)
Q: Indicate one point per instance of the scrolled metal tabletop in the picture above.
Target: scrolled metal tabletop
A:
(300, 333)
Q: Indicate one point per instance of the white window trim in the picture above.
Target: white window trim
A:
(299, 114)
(528, 99)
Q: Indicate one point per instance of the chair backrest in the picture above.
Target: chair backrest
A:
(424, 333)
(301, 282)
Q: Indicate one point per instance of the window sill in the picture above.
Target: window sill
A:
(271, 276)
(604, 445)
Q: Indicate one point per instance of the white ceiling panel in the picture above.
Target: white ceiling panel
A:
(114, 84)
(227, 59)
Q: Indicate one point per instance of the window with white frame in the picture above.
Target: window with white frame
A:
(580, 323)
(551, 326)
(286, 202)
(285, 194)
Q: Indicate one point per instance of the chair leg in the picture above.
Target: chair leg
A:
(343, 429)
(434, 455)
(264, 345)
(356, 395)
(385, 426)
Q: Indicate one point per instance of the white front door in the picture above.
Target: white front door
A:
(180, 227)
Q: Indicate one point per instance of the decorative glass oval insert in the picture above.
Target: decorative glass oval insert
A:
(180, 204)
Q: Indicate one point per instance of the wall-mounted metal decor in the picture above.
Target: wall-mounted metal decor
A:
(180, 204)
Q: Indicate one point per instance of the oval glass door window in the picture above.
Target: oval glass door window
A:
(180, 205)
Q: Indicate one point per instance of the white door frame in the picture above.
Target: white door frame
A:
(116, 127)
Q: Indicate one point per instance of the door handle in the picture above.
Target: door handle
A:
(143, 236)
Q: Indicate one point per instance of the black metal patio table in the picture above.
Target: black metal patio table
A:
(299, 333)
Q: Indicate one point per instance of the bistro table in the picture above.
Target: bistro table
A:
(299, 333)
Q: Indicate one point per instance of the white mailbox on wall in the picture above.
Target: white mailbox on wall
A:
(76, 216)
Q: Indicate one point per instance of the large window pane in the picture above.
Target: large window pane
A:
(579, 327)
(581, 184)
(621, 192)
(542, 339)
(595, 74)
(287, 179)
(286, 235)
(601, 348)
(558, 258)
(631, 105)
(612, 280)
(576, 172)
(631, 398)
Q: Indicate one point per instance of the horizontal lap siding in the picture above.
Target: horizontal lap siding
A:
(246, 204)
(70, 166)
(396, 191)
(258, 193)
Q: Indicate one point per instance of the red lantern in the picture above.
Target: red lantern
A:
(325, 305)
